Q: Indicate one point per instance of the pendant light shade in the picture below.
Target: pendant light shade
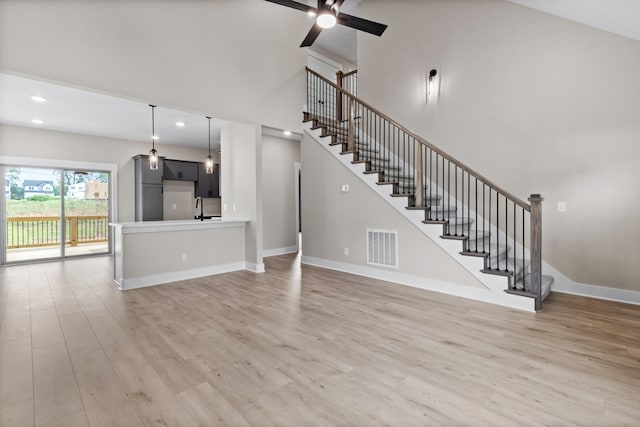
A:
(153, 154)
(208, 165)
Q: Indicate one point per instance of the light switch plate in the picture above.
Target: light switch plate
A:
(345, 188)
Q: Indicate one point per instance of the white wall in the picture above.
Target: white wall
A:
(333, 220)
(235, 60)
(279, 156)
(18, 141)
(241, 190)
(534, 102)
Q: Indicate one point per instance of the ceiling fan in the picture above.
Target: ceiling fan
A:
(328, 14)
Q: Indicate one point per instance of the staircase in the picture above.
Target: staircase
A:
(489, 223)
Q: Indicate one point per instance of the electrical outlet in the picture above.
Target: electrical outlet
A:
(562, 206)
(346, 251)
(225, 207)
(174, 206)
(184, 256)
(234, 207)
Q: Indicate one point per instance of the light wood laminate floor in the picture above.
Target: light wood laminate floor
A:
(300, 346)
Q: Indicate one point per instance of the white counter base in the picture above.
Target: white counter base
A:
(157, 252)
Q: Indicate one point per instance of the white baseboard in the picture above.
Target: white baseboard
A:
(174, 276)
(469, 292)
(599, 292)
(279, 251)
(256, 268)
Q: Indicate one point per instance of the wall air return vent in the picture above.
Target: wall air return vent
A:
(382, 248)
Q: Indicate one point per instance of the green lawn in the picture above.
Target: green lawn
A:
(73, 207)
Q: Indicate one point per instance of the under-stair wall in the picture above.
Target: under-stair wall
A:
(333, 220)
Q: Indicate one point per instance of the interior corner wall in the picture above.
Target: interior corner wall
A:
(241, 190)
(534, 102)
(17, 141)
(279, 156)
(333, 220)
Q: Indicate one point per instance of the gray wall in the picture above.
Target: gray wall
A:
(532, 101)
(278, 186)
(333, 220)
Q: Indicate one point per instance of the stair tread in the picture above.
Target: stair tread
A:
(546, 283)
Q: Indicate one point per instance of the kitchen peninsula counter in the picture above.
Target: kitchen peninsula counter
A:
(154, 252)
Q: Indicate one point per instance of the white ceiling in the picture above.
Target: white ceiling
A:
(620, 17)
(86, 112)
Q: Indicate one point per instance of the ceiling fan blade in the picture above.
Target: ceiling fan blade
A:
(361, 24)
(294, 5)
(312, 35)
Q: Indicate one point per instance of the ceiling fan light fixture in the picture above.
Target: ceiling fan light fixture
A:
(326, 20)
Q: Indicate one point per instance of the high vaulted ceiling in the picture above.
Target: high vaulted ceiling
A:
(87, 112)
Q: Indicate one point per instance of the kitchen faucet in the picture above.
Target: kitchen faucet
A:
(199, 200)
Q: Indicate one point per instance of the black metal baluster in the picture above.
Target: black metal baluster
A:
(497, 226)
(523, 248)
(476, 184)
(455, 180)
(490, 232)
(429, 203)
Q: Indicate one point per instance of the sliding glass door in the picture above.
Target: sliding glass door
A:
(32, 211)
(54, 213)
(86, 212)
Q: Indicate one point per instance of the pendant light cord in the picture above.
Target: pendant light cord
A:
(209, 119)
(153, 126)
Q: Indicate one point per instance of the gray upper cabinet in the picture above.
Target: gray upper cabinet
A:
(148, 190)
(149, 176)
(180, 170)
(208, 185)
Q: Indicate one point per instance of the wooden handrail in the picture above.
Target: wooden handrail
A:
(423, 141)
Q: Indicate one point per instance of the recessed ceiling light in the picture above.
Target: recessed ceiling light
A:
(311, 13)
(37, 98)
(287, 133)
(155, 138)
(180, 124)
(36, 121)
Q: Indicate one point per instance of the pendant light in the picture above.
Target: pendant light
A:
(153, 154)
(209, 162)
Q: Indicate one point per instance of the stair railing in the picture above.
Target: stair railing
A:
(450, 192)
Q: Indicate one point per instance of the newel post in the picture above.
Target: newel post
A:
(536, 248)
